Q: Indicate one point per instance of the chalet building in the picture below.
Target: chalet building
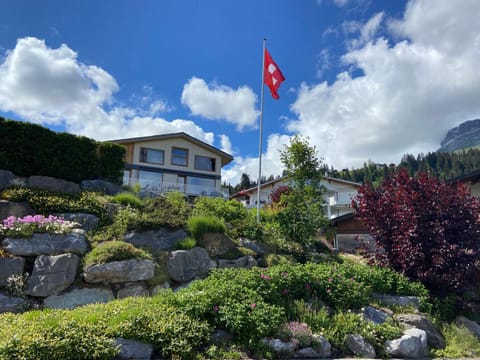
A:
(174, 162)
(472, 180)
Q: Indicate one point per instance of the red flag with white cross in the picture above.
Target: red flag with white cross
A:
(272, 76)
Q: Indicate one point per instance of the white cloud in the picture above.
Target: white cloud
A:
(219, 102)
(225, 144)
(271, 164)
(367, 30)
(409, 94)
(50, 86)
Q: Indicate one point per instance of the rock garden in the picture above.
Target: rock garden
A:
(91, 271)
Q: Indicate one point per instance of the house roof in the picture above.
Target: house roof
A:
(283, 178)
(226, 158)
(472, 177)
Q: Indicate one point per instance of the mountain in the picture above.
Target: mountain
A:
(465, 135)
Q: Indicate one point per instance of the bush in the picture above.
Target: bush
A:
(130, 199)
(429, 230)
(200, 225)
(239, 220)
(114, 251)
(186, 244)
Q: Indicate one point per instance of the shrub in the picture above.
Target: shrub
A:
(429, 230)
(200, 225)
(126, 198)
(239, 220)
(186, 244)
(114, 251)
(460, 343)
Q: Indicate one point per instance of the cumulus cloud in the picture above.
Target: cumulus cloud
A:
(225, 144)
(219, 102)
(271, 164)
(367, 31)
(51, 87)
(408, 94)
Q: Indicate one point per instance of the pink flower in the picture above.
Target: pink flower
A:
(215, 308)
(265, 277)
(308, 287)
(285, 292)
(285, 274)
(253, 306)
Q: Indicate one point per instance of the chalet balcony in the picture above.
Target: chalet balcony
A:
(340, 199)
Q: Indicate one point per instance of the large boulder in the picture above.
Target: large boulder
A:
(185, 265)
(245, 262)
(10, 266)
(471, 325)
(87, 221)
(131, 349)
(412, 301)
(17, 209)
(52, 274)
(252, 245)
(413, 344)
(53, 184)
(120, 271)
(156, 240)
(359, 347)
(280, 347)
(375, 315)
(101, 186)
(435, 338)
(323, 346)
(47, 244)
(11, 304)
(79, 297)
(216, 244)
(6, 179)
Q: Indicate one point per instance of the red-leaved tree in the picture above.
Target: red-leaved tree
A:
(427, 229)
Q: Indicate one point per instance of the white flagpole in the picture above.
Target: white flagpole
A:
(261, 134)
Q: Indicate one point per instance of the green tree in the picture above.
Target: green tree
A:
(301, 214)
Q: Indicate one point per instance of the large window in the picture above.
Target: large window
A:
(149, 180)
(179, 156)
(153, 156)
(204, 163)
(197, 185)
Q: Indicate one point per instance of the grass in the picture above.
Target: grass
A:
(460, 343)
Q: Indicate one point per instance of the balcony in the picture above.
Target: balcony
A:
(187, 189)
(340, 199)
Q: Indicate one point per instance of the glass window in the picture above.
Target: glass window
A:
(126, 177)
(179, 156)
(150, 180)
(204, 163)
(153, 156)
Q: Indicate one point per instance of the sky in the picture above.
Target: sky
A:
(366, 80)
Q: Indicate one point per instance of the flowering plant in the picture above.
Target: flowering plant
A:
(297, 332)
(26, 226)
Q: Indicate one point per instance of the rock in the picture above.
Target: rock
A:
(11, 304)
(252, 245)
(10, 266)
(221, 337)
(359, 347)
(413, 344)
(132, 290)
(47, 244)
(375, 315)
(398, 300)
(6, 178)
(471, 325)
(87, 221)
(160, 287)
(52, 274)
(101, 186)
(216, 244)
(308, 353)
(322, 345)
(156, 240)
(246, 262)
(131, 349)
(120, 271)
(78, 297)
(185, 265)
(17, 209)
(279, 346)
(434, 338)
(52, 184)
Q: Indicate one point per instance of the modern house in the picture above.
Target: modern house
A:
(338, 196)
(174, 162)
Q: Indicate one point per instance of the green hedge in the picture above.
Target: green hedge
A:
(27, 149)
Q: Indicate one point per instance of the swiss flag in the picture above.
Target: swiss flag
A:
(272, 76)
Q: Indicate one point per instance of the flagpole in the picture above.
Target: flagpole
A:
(261, 134)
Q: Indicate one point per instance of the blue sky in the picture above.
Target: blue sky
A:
(365, 79)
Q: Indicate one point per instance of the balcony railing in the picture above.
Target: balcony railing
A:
(340, 199)
(187, 189)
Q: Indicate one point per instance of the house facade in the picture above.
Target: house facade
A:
(174, 162)
(338, 196)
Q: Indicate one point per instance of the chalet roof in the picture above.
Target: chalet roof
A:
(472, 177)
(226, 158)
